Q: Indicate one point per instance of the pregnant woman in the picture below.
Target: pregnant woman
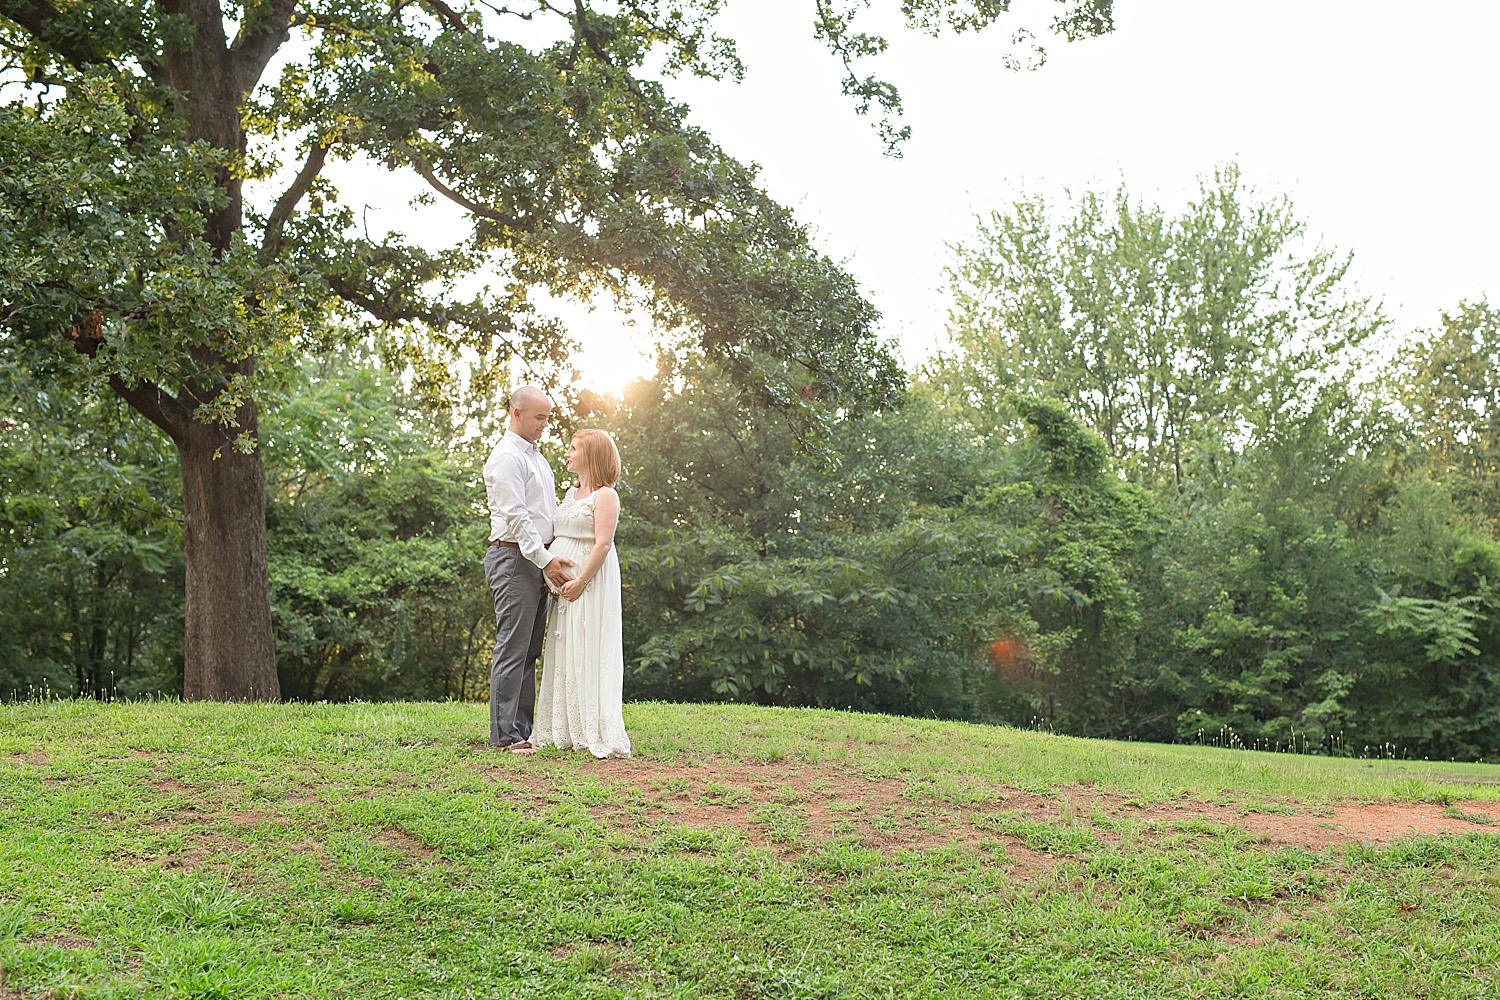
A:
(580, 706)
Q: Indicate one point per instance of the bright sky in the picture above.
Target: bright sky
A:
(1375, 117)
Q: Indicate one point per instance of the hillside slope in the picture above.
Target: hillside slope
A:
(169, 850)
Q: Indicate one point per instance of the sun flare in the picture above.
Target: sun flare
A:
(613, 352)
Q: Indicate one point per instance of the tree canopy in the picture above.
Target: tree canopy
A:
(1171, 335)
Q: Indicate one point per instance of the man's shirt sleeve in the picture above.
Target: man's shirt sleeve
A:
(505, 487)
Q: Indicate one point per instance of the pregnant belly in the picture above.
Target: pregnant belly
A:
(567, 546)
(575, 550)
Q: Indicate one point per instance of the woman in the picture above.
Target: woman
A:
(583, 663)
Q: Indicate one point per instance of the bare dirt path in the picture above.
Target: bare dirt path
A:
(888, 814)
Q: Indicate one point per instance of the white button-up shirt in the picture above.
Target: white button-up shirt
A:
(522, 495)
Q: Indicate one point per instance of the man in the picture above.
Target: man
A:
(522, 495)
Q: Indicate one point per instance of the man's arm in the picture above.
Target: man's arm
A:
(505, 488)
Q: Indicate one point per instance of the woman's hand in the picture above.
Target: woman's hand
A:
(573, 589)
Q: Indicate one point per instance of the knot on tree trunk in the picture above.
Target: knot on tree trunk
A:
(88, 334)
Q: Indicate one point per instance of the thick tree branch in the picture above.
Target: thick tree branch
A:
(151, 402)
(287, 203)
(41, 20)
(145, 398)
(386, 313)
(382, 311)
(585, 35)
(483, 211)
(448, 14)
(264, 30)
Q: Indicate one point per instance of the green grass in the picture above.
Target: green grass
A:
(382, 851)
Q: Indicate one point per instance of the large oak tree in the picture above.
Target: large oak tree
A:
(134, 261)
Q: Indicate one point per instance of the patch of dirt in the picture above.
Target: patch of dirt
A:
(786, 805)
(187, 816)
(1376, 823)
(307, 846)
(256, 817)
(200, 843)
(598, 955)
(1279, 926)
(625, 968)
(36, 758)
(11, 993)
(1027, 865)
(402, 841)
(196, 851)
(783, 807)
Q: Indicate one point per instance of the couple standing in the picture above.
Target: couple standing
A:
(539, 546)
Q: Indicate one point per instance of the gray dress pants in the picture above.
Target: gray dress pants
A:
(520, 593)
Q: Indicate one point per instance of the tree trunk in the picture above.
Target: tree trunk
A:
(229, 650)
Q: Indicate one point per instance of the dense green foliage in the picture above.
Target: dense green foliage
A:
(371, 527)
(90, 550)
(1449, 382)
(1305, 557)
(375, 591)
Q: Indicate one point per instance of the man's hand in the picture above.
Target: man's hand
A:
(557, 572)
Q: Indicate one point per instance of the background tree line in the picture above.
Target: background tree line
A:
(1166, 482)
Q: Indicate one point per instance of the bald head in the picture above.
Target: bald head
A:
(529, 409)
(528, 395)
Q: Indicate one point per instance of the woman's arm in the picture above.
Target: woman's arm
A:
(606, 519)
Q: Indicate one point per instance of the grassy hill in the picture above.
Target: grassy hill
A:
(383, 851)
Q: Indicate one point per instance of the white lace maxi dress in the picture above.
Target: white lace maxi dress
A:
(583, 661)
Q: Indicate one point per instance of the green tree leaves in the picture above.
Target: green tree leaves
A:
(1174, 337)
(1450, 381)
